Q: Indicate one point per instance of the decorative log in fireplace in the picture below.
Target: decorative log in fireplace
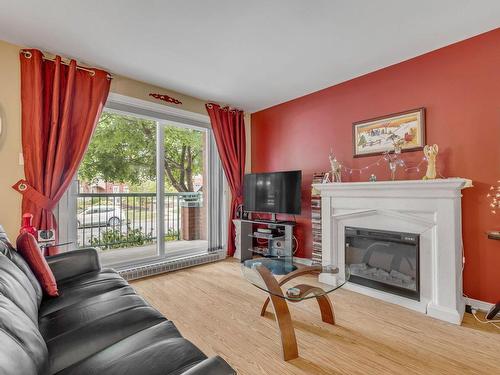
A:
(384, 260)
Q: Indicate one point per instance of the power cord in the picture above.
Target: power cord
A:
(474, 310)
(492, 322)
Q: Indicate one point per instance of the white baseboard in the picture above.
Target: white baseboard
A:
(480, 305)
(306, 261)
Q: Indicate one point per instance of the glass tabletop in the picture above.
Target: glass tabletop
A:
(284, 278)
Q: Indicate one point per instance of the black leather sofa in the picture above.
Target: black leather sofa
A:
(98, 324)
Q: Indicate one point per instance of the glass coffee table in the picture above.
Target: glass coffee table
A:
(273, 276)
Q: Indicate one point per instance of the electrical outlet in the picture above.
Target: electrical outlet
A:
(472, 309)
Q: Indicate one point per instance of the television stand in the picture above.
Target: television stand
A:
(279, 244)
(264, 221)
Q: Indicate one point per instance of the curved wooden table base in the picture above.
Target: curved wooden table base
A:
(288, 340)
(307, 270)
(282, 313)
(325, 305)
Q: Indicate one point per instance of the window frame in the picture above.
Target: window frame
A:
(66, 212)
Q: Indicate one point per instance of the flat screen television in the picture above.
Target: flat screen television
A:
(277, 192)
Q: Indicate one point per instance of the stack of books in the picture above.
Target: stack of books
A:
(316, 218)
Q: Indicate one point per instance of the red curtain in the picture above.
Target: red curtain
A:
(61, 105)
(228, 126)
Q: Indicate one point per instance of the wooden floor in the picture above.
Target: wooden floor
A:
(214, 307)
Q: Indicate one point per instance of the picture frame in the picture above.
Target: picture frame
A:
(375, 136)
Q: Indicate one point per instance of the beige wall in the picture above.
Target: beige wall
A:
(129, 87)
(10, 137)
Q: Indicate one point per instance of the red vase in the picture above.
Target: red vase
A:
(27, 225)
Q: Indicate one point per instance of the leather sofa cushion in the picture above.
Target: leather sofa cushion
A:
(15, 285)
(159, 349)
(72, 346)
(90, 278)
(82, 287)
(8, 250)
(28, 247)
(71, 263)
(99, 298)
(23, 347)
(80, 315)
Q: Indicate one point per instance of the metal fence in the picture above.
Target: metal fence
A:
(114, 220)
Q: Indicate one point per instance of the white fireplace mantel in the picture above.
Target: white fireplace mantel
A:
(430, 208)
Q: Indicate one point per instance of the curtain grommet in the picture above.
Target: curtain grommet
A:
(27, 54)
(22, 186)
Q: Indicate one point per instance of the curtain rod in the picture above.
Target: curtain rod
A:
(28, 55)
(223, 106)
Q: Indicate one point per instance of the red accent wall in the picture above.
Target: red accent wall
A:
(459, 86)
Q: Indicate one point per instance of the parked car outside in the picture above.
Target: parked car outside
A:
(99, 215)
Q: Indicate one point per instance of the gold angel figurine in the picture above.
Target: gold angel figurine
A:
(336, 168)
(430, 153)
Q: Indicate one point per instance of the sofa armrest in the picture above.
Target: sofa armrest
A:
(211, 366)
(74, 263)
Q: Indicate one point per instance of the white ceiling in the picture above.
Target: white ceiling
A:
(252, 54)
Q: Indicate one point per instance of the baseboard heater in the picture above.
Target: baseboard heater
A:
(168, 265)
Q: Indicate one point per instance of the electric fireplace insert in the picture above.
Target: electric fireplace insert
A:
(384, 260)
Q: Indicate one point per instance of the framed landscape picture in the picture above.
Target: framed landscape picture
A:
(375, 136)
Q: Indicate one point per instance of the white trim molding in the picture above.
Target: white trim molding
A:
(431, 209)
(155, 111)
(477, 304)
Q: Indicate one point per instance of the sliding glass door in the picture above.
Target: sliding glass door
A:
(183, 181)
(148, 188)
(116, 202)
